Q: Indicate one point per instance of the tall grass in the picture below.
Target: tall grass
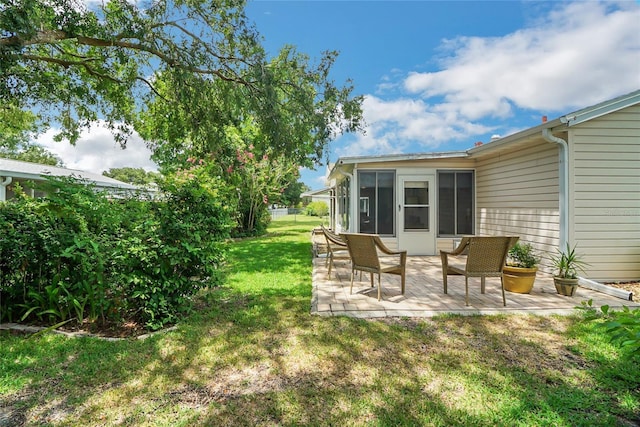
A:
(253, 354)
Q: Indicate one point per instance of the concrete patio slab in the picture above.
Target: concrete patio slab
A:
(424, 296)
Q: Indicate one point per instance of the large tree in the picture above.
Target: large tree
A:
(16, 129)
(32, 153)
(292, 194)
(192, 67)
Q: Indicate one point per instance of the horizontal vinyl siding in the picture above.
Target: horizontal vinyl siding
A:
(517, 194)
(605, 204)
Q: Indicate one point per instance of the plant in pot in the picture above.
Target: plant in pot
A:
(567, 263)
(520, 269)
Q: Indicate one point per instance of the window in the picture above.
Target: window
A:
(378, 189)
(455, 203)
(344, 198)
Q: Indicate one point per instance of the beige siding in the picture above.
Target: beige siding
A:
(605, 202)
(517, 194)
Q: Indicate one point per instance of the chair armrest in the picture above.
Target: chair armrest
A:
(388, 251)
(460, 249)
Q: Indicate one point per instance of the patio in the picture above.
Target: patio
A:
(424, 295)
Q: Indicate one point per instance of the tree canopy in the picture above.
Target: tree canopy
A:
(179, 71)
(32, 153)
(135, 176)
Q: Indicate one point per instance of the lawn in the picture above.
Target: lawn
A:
(252, 354)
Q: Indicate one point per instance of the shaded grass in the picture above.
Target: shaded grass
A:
(253, 355)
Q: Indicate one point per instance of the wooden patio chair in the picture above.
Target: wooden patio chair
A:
(364, 248)
(336, 248)
(485, 257)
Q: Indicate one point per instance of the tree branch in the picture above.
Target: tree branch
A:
(67, 63)
(53, 36)
(153, 89)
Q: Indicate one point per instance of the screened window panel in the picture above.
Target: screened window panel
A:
(386, 203)
(464, 203)
(376, 201)
(367, 182)
(455, 203)
(446, 204)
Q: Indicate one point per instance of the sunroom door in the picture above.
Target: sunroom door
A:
(416, 210)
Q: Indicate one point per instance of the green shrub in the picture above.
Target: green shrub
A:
(622, 327)
(78, 254)
(317, 209)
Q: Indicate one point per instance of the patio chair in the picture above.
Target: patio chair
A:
(364, 248)
(485, 257)
(336, 248)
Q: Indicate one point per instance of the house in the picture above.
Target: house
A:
(17, 172)
(574, 179)
(322, 195)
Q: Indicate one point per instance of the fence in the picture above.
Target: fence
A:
(279, 212)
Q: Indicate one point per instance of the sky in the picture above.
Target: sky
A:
(435, 75)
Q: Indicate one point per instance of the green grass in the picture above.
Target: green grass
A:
(253, 355)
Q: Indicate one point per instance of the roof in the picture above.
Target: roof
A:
(567, 120)
(36, 171)
(558, 124)
(396, 158)
(317, 193)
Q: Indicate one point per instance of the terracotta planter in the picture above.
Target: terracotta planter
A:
(518, 279)
(565, 286)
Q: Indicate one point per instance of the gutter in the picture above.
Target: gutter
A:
(609, 290)
(564, 184)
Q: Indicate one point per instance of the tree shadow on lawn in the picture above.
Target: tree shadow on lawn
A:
(260, 358)
(250, 364)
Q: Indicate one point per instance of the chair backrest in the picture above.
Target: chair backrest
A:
(488, 254)
(362, 249)
(332, 238)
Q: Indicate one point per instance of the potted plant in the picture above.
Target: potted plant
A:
(520, 269)
(567, 263)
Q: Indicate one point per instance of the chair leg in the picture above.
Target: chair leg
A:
(482, 284)
(379, 288)
(353, 272)
(445, 269)
(466, 290)
(330, 260)
(371, 277)
(402, 281)
(504, 299)
(444, 280)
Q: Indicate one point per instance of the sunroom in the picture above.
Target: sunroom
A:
(418, 202)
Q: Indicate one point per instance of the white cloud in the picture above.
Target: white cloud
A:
(581, 54)
(395, 125)
(96, 151)
(577, 55)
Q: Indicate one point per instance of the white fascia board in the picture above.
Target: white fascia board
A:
(601, 109)
(401, 157)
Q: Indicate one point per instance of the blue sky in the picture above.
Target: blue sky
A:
(439, 76)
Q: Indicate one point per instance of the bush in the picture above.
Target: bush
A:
(317, 209)
(78, 254)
